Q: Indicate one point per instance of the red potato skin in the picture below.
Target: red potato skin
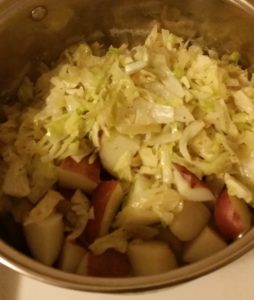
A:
(92, 171)
(111, 263)
(99, 201)
(192, 179)
(227, 218)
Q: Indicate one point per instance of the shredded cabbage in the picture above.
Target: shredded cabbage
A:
(171, 100)
(236, 188)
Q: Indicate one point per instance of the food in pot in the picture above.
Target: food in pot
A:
(130, 162)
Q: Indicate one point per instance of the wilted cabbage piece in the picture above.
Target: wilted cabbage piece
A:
(117, 240)
(80, 205)
(44, 208)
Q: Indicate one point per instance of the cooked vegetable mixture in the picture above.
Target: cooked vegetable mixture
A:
(130, 162)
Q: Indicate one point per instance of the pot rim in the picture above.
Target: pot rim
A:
(29, 267)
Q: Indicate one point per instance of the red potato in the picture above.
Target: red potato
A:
(111, 263)
(79, 175)
(174, 243)
(150, 257)
(190, 221)
(71, 256)
(113, 148)
(232, 216)
(45, 238)
(190, 186)
(106, 200)
(82, 266)
(208, 242)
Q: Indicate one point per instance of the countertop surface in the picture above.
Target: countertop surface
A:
(233, 282)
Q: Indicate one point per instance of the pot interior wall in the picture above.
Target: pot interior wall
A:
(24, 41)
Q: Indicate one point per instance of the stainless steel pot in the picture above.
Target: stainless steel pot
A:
(32, 31)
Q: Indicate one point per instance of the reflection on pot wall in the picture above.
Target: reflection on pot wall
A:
(27, 40)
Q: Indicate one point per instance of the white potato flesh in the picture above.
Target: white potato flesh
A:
(150, 257)
(82, 267)
(190, 221)
(114, 148)
(45, 238)
(137, 216)
(78, 175)
(208, 242)
(196, 192)
(71, 256)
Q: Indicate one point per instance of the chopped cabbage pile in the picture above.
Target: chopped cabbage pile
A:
(167, 100)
